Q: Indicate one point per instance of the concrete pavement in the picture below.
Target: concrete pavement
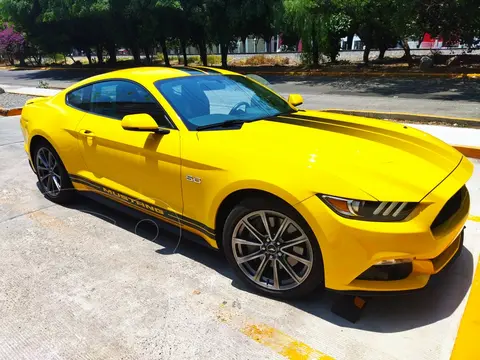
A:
(85, 282)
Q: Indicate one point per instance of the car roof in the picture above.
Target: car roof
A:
(153, 74)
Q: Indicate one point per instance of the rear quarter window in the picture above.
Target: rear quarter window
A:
(80, 98)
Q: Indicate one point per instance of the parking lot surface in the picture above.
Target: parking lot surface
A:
(87, 282)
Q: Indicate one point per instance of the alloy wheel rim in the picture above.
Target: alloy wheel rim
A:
(272, 250)
(48, 172)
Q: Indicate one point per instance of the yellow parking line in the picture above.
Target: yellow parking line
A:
(467, 345)
(474, 218)
(282, 343)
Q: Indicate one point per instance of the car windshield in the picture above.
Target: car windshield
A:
(210, 99)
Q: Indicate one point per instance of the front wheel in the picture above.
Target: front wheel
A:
(272, 249)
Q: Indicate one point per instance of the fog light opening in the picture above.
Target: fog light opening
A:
(394, 261)
(387, 271)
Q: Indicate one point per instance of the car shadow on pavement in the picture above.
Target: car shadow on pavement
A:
(385, 314)
(164, 236)
(396, 313)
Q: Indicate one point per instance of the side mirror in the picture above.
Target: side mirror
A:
(142, 122)
(295, 99)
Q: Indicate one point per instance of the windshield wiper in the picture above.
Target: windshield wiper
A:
(224, 124)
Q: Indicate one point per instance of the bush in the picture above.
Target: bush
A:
(159, 57)
(214, 60)
(195, 59)
(43, 84)
(11, 44)
(192, 59)
(258, 60)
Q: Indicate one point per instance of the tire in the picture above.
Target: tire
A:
(255, 264)
(53, 179)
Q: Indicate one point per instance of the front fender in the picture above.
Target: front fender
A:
(231, 188)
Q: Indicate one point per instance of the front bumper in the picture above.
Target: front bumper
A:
(433, 280)
(350, 247)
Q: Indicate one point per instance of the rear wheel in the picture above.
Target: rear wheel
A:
(272, 249)
(52, 176)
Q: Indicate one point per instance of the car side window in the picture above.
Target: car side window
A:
(116, 99)
(80, 98)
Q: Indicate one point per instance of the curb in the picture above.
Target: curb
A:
(10, 112)
(469, 151)
(409, 117)
(466, 343)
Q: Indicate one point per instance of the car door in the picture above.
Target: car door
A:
(139, 168)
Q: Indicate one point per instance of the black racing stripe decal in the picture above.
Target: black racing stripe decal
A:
(307, 117)
(143, 206)
(196, 70)
(208, 70)
(333, 122)
(391, 138)
(292, 121)
(84, 181)
(312, 118)
(339, 125)
(191, 71)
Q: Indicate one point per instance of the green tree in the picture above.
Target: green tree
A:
(454, 20)
(321, 24)
(304, 18)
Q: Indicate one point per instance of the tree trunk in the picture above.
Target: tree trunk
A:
(382, 49)
(350, 42)
(419, 43)
(163, 44)
(136, 54)
(366, 54)
(224, 53)
(146, 50)
(315, 48)
(100, 54)
(88, 54)
(202, 49)
(112, 53)
(408, 55)
(183, 47)
(22, 59)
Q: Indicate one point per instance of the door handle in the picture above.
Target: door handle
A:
(87, 133)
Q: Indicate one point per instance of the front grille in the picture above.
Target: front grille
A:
(450, 208)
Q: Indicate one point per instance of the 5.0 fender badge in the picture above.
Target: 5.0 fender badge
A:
(194, 179)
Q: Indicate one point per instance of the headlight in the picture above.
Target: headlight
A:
(369, 210)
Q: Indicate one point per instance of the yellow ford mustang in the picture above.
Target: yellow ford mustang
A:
(295, 199)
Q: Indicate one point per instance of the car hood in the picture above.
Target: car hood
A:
(341, 155)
